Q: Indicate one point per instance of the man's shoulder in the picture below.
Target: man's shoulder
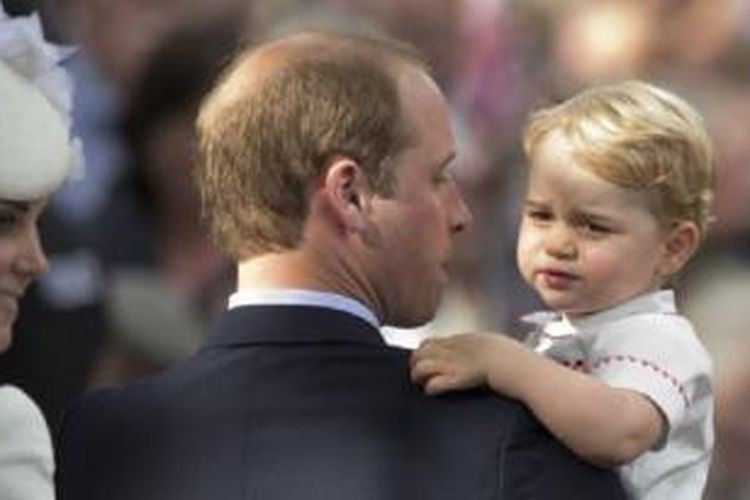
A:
(338, 412)
(229, 386)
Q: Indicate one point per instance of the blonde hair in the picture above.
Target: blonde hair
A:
(637, 136)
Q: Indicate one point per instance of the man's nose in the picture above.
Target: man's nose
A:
(460, 214)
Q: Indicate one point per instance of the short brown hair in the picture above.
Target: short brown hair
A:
(265, 139)
(638, 136)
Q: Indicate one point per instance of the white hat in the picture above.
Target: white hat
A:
(35, 153)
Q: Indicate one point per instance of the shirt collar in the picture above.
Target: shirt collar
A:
(661, 301)
(297, 297)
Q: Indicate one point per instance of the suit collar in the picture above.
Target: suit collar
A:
(302, 297)
(291, 324)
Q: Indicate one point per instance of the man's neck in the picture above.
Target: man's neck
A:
(274, 271)
(294, 270)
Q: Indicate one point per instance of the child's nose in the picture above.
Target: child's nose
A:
(560, 242)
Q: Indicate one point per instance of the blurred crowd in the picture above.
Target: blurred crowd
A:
(134, 279)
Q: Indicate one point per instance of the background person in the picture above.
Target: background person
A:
(35, 158)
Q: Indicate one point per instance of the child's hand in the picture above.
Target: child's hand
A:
(452, 363)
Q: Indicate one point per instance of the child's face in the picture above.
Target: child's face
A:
(585, 244)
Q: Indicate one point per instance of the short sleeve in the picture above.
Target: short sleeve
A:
(657, 355)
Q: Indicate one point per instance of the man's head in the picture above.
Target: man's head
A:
(347, 130)
(279, 117)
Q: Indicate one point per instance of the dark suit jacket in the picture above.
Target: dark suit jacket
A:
(306, 403)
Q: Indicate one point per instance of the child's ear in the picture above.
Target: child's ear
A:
(680, 245)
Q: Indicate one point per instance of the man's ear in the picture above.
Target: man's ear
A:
(680, 245)
(344, 188)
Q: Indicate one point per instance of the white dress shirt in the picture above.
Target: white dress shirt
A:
(298, 297)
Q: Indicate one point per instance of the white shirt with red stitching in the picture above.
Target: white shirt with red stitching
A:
(644, 345)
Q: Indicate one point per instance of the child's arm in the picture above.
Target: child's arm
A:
(604, 425)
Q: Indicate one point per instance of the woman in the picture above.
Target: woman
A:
(35, 158)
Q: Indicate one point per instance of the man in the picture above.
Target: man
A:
(325, 174)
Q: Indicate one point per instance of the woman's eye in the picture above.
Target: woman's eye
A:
(7, 219)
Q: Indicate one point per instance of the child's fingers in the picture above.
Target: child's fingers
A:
(426, 351)
(437, 349)
(423, 369)
(440, 384)
(428, 347)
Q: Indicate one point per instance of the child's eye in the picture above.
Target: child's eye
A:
(595, 228)
(538, 215)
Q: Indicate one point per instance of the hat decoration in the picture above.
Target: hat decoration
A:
(37, 151)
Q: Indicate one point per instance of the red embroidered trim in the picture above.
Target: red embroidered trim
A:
(585, 367)
(578, 365)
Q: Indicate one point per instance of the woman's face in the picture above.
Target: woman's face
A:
(21, 258)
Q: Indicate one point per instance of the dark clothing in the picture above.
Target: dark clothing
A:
(298, 402)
